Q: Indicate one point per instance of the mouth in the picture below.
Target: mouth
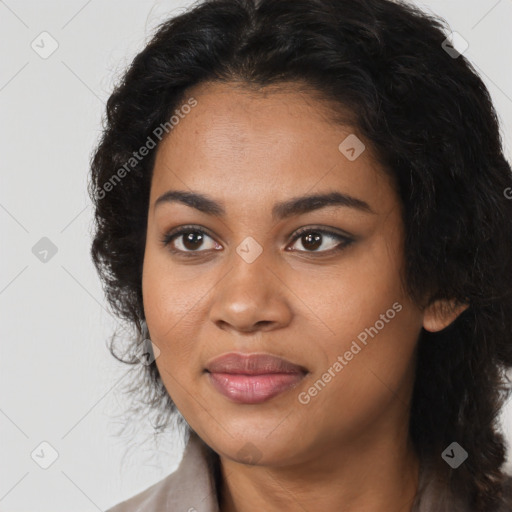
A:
(253, 378)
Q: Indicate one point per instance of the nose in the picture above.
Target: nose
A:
(251, 297)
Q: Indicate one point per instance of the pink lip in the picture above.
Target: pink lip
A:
(253, 378)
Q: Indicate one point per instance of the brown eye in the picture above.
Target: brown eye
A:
(187, 240)
(311, 239)
(192, 240)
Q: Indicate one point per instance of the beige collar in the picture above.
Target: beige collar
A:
(191, 488)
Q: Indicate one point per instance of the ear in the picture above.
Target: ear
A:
(441, 313)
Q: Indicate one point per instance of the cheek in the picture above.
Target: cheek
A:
(353, 295)
(374, 327)
(372, 353)
(369, 373)
(169, 310)
(171, 306)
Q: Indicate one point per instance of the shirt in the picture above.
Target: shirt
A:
(191, 488)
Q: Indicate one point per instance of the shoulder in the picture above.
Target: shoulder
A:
(434, 494)
(152, 498)
(190, 488)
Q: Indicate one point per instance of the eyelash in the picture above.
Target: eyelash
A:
(344, 240)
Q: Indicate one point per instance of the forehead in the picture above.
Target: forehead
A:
(276, 141)
(280, 117)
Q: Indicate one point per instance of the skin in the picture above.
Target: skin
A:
(248, 150)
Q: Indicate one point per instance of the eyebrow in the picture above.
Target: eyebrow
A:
(289, 208)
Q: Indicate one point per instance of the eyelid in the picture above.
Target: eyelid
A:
(169, 236)
(322, 229)
(345, 239)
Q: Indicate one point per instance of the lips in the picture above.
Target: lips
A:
(253, 378)
(252, 364)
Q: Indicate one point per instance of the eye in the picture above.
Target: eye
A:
(188, 239)
(313, 238)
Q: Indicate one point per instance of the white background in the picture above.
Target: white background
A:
(58, 381)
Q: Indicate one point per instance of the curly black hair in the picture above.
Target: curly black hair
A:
(430, 120)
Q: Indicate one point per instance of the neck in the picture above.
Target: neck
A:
(351, 478)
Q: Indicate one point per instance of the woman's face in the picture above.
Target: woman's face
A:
(330, 303)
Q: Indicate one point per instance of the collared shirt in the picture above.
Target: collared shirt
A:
(191, 488)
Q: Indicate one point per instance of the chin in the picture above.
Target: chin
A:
(255, 446)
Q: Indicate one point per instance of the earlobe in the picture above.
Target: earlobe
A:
(441, 313)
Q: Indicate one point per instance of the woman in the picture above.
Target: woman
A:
(303, 206)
